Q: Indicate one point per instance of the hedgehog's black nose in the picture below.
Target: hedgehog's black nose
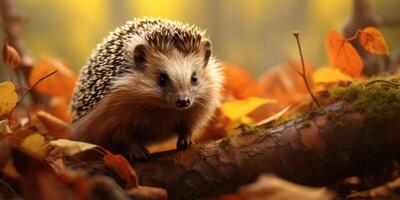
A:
(183, 102)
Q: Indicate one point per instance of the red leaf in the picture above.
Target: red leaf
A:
(121, 166)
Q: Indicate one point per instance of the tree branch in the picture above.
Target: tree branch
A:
(354, 134)
(327, 146)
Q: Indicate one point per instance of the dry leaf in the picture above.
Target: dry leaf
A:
(4, 128)
(8, 97)
(285, 85)
(121, 166)
(35, 143)
(71, 147)
(59, 108)
(11, 56)
(343, 55)
(373, 41)
(275, 117)
(329, 74)
(148, 193)
(273, 188)
(60, 84)
(238, 82)
(237, 109)
(10, 169)
(53, 125)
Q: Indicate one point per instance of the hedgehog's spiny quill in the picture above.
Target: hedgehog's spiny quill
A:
(108, 61)
(147, 81)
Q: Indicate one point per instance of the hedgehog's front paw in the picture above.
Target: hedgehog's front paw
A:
(139, 154)
(184, 143)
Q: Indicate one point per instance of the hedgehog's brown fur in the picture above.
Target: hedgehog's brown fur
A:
(122, 108)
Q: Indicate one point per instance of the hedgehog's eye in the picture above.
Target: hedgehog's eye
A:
(163, 79)
(194, 78)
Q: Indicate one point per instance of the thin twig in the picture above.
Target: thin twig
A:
(23, 96)
(383, 81)
(303, 74)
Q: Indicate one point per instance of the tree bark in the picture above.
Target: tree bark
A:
(316, 149)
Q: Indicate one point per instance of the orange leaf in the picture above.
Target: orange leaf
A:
(238, 82)
(10, 56)
(283, 84)
(61, 84)
(373, 41)
(121, 166)
(59, 108)
(343, 55)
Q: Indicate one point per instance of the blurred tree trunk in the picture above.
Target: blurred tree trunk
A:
(12, 23)
(120, 12)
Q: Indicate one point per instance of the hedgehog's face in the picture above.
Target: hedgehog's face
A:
(174, 79)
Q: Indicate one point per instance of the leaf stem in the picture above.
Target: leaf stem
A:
(303, 73)
(355, 36)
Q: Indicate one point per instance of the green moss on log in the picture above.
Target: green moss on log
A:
(379, 102)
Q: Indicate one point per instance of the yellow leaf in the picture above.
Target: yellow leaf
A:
(373, 41)
(35, 143)
(10, 170)
(8, 97)
(237, 109)
(71, 147)
(329, 74)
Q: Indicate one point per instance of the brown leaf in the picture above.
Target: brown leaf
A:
(373, 41)
(54, 126)
(121, 166)
(343, 55)
(10, 56)
(283, 84)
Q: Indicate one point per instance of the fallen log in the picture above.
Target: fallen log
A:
(355, 133)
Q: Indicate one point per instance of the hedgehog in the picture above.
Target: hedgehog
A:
(149, 80)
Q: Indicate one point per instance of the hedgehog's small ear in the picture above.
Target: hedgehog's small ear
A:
(207, 51)
(139, 56)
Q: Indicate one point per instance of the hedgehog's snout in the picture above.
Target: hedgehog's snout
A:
(183, 101)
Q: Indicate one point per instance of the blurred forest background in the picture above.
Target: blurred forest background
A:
(254, 34)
